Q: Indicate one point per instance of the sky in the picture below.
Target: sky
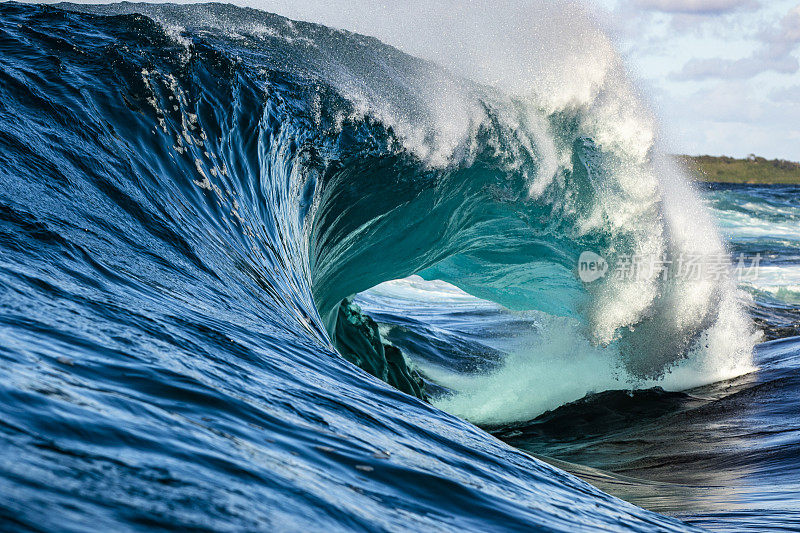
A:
(722, 75)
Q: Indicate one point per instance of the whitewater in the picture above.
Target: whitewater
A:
(261, 273)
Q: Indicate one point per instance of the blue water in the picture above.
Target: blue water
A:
(195, 202)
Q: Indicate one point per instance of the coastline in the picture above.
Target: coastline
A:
(752, 170)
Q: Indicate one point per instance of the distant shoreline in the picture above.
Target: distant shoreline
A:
(752, 170)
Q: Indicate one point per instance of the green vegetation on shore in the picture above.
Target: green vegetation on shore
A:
(751, 170)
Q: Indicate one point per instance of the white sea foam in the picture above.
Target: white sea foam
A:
(546, 363)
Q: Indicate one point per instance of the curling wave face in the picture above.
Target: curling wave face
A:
(394, 167)
(191, 197)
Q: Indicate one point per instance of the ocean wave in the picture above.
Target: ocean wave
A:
(192, 195)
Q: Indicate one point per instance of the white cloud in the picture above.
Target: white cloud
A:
(759, 62)
(775, 54)
(787, 36)
(697, 7)
(789, 95)
(635, 18)
(740, 59)
(735, 118)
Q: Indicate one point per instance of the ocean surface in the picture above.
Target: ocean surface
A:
(264, 275)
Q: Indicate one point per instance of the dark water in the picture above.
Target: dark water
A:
(186, 207)
(723, 456)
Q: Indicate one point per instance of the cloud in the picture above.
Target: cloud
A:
(787, 36)
(695, 7)
(789, 95)
(731, 108)
(735, 118)
(775, 54)
(632, 18)
(741, 102)
(734, 102)
(703, 69)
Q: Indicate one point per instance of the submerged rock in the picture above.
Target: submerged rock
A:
(359, 341)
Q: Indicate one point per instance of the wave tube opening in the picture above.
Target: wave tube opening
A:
(479, 229)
